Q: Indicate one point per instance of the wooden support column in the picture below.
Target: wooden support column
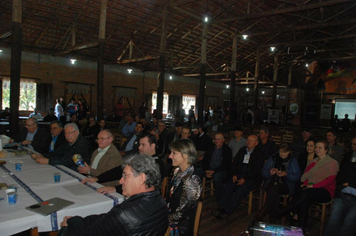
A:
(232, 112)
(290, 75)
(101, 51)
(15, 71)
(275, 76)
(162, 60)
(202, 75)
(257, 76)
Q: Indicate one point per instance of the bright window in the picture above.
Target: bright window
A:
(27, 94)
(165, 102)
(188, 101)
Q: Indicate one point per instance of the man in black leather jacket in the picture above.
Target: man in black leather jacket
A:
(143, 213)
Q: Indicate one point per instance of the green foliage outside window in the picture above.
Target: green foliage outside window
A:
(27, 95)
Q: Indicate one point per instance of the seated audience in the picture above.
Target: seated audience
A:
(147, 147)
(58, 138)
(318, 186)
(185, 132)
(132, 143)
(246, 170)
(216, 164)
(72, 107)
(36, 114)
(74, 119)
(146, 126)
(175, 135)
(75, 144)
(130, 125)
(104, 158)
(267, 146)
(280, 173)
(102, 124)
(50, 116)
(185, 187)
(343, 212)
(33, 137)
(299, 144)
(202, 141)
(238, 141)
(91, 131)
(336, 150)
(144, 212)
(307, 156)
(5, 113)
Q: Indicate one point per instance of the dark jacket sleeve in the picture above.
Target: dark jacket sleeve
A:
(60, 141)
(257, 162)
(347, 172)
(226, 159)
(110, 175)
(63, 155)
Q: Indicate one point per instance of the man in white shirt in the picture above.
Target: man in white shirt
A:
(36, 114)
(104, 158)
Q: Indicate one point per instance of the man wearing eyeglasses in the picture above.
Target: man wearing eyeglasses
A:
(105, 158)
(76, 144)
(32, 136)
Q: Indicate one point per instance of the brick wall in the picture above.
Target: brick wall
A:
(56, 70)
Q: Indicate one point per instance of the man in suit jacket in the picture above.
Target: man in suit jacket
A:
(57, 133)
(132, 143)
(105, 158)
(246, 170)
(35, 138)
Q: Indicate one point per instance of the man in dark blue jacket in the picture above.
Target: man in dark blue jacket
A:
(246, 170)
(216, 164)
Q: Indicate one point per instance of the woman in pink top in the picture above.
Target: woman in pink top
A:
(318, 185)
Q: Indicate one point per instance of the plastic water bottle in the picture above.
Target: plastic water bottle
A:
(78, 160)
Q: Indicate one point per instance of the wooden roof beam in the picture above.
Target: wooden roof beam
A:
(285, 10)
(78, 48)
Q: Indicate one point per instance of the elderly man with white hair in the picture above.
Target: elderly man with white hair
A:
(76, 144)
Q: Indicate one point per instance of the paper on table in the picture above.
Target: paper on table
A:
(78, 189)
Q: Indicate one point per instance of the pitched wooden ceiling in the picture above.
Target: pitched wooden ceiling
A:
(301, 31)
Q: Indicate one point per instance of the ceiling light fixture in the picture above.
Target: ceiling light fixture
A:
(263, 92)
(129, 70)
(170, 77)
(227, 86)
(272, 49)
(245, 36)
(306, 64)
(73, 61)
(206, 19)
(247, 89)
